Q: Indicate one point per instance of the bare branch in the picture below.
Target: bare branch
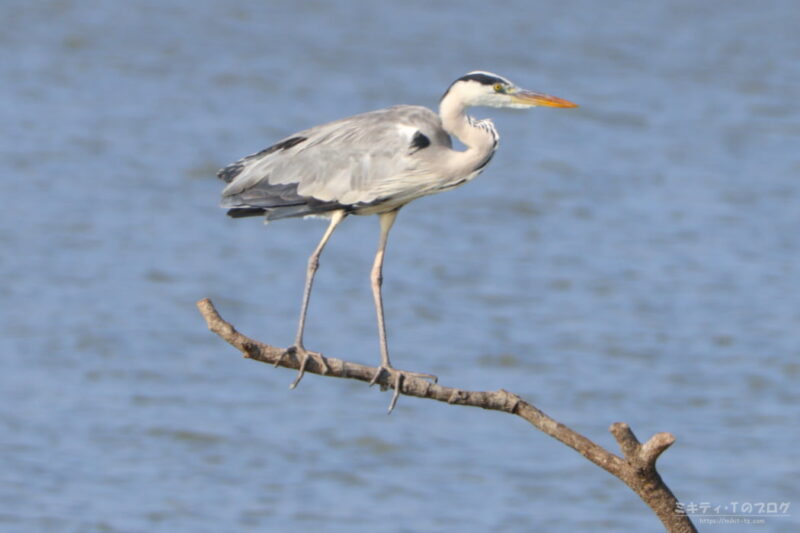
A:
(636, 468)
(627, 441)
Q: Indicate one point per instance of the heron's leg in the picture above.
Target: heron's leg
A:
(376, 278)
(313, 265)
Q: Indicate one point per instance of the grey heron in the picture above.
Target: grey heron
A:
(373, 163)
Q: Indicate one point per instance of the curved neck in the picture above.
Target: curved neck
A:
(479, 137)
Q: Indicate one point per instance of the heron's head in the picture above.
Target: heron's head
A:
(479, 88)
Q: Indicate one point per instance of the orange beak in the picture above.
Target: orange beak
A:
(530, 98)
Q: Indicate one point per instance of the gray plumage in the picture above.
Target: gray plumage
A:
(372, 163)
(366, 163)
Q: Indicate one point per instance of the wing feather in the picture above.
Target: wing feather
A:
(355, 161)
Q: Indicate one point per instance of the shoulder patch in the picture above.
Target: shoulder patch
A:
(419, 141)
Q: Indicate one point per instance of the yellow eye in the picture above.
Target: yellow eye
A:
(498, 87)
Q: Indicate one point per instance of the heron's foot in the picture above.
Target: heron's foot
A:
(304, 356)
(396, 377)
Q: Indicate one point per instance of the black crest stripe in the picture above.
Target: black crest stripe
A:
(483, 79)
(480, 77)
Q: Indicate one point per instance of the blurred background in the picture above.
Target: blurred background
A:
(633, 260)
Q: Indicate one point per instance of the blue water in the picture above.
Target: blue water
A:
(635, 259)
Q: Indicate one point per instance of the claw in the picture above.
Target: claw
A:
(377, 375)
(304, 356)
(398, 377)
(398, 381)
(301, 372)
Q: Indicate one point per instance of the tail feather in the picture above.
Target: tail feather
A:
(241, 212)
(276, 201)
(285, 211)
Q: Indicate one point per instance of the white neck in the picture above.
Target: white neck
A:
(479, 137)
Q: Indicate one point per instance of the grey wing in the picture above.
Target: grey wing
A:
(348, 164)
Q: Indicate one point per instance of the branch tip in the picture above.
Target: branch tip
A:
(626, 439)
(653, 448)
